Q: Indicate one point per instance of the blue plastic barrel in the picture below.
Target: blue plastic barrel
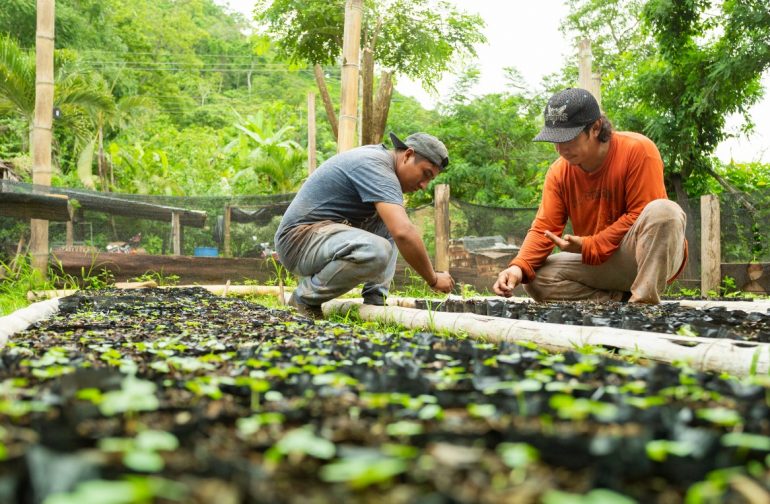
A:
(206, 252)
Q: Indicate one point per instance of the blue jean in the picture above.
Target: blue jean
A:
(337, 257)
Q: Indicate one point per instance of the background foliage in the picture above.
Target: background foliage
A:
(182, 98)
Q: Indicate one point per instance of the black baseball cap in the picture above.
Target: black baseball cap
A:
(567, 113)
(428, 146)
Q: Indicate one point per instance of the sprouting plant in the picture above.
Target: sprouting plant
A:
(414, 285)
(140, 453)
(729, 288)
(133, 396)
(571, 408)
(678, 290)
(686, 330)
(598, 495)
(481, 410)
(431, 318)
(299, 443)
(249, 425)
(724, 417)
(159, 278)
(256, 387)
(518, 456)
(129, 490)
(659, 449)
(282, 275)
(363, 471)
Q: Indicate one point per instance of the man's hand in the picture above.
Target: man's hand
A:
(569, 243)
(507, 280)
(444, 282)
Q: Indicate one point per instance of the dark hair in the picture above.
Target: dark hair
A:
(606, 129)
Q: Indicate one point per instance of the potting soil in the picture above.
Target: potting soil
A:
(668, 318)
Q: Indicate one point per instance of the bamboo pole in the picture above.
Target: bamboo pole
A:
(176, 234)
(351, 45)
(227, 224)
(441, 217)
(587, 79)
(311, 133)
(42, 125)
(710, 245)
(706, 354)
(70, 239)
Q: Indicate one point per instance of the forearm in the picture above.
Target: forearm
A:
(533, 253)
(413, 250)
(599, 247)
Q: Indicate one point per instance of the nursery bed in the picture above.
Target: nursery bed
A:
(183, 396)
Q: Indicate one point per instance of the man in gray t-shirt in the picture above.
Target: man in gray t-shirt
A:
(347, 223)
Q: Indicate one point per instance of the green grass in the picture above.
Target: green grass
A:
(16, 279)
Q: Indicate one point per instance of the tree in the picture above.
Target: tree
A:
(266, 151)
(679, 73)
(415, 38)
(709, 64)
(494, 161)
(79, 96)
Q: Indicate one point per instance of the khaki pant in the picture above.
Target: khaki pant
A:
(650, 254)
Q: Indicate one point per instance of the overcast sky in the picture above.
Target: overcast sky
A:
(525, 34)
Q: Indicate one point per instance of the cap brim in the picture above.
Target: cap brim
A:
(557, 135)
(397, 143)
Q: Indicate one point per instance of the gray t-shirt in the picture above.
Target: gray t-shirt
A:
(343, 189)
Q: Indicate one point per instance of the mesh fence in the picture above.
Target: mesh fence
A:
(255, 218)
(745, 226)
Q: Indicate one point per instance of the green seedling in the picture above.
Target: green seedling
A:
(133, 396)
(363, 471)
(660, 449)
(298, 443)
(131, 490)
(141, 452)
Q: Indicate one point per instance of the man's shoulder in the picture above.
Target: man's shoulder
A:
(355, 161)
(369, 153)
(633, 139)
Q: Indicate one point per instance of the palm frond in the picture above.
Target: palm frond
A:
(17, 76)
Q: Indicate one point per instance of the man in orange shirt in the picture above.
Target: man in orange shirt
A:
(628, 238)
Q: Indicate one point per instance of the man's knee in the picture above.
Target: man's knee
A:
(375, 254)
(664, 211)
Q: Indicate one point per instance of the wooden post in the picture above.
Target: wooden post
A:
(351, 46)
(587, 79)
(441, 202)
(710, 245)
(311, 133)
(227, 221)
(42, 125)
(176, 234)
(70, 241)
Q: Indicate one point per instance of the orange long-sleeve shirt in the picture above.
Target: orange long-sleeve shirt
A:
(602, 205)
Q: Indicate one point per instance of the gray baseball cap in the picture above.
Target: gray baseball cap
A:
(428, 146)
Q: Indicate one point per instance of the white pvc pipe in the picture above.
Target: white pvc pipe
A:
(706, 354)
(23, 318)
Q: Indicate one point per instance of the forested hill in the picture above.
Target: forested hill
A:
(167, 83)
(178, 97)
(183, 100)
